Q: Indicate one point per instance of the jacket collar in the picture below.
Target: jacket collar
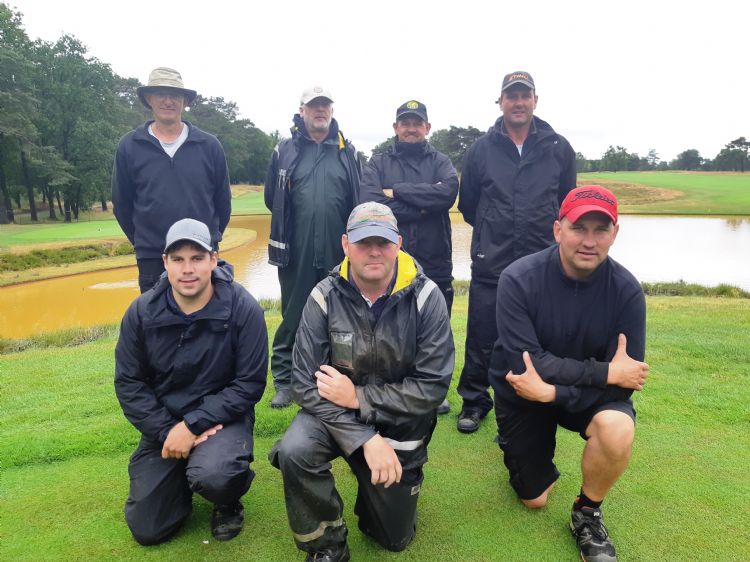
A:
(299, 131)
(194, 133)
(407, 271)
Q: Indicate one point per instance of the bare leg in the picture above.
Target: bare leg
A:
(607, 452)
(539, 501)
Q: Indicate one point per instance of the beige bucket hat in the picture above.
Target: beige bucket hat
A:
(161, 78)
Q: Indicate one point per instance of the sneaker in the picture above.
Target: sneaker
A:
(227, 521)
(282, 399)
(444, 407)
(334, 554)
(468, 421)
(588, 528)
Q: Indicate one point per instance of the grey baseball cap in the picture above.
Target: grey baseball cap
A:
(517, 77)
(189, 229)
(371, 219)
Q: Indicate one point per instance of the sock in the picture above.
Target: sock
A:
(582, 500)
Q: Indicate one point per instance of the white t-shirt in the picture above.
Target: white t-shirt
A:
(171, 147)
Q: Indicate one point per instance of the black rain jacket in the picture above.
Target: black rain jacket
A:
(401, 368)
(425, 185)
(511, 200)
(206, 371)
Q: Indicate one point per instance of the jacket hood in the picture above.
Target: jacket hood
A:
(300, 130)
(408, 270)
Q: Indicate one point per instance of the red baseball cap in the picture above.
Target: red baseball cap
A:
(589, 199)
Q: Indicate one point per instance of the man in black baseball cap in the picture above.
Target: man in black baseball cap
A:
(513, 180)
(420, 185)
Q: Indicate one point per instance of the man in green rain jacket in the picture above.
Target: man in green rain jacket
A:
(311, 187)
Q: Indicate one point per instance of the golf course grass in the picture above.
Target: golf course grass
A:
(66, 445)
(686, 193)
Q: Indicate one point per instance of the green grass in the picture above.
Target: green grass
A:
(699, 193)
(66, 444)
(250, 203)
(23, 235)
(62, 256)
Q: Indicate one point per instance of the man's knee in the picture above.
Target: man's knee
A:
(221, 481)
(614, 430)
(539, 501)
(150, 529)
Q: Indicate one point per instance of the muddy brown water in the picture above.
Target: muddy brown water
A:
(701, 250)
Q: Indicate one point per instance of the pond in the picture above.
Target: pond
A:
(703, 250)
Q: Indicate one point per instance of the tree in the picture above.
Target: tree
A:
(652, 158)
(383, 146)
(687, 160)
(454, 142)
(616, 159)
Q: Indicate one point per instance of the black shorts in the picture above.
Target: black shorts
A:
(527, 438)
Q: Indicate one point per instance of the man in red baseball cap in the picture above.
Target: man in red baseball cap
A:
(571, 342)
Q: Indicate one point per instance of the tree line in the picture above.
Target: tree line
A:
(735, 156)
(62, 112)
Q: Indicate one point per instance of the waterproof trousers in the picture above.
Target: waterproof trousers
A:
(314, 506)
(161, 490)
(481, 333)
(297, 280)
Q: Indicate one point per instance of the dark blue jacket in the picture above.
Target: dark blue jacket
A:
(151, 191)
(278, 184)
(511, 200)
(570, 328)
(206, 371)
(425, 185)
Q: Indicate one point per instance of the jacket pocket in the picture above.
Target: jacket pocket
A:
(342, 351)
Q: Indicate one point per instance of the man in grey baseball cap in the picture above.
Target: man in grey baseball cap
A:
(372, 360)
(311, 187)
(165, 170)
(190, 365)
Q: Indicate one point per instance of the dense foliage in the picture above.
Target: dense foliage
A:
(62, 112)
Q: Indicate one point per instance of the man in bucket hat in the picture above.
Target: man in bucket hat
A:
(571, 341)
(372, 361)
(190, 365)
(513, 180)
(311, 187)
(165, 170)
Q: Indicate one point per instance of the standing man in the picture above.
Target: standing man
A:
(190, 365)
(420, 185)
(373, 359)
(513, 180)
(311, 187)
(572, 332)
(165, 170)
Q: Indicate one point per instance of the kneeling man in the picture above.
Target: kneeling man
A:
(190, 365)
(572, 332)
(373, 358)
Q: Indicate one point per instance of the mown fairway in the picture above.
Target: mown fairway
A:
(65, 449)
(690, 193)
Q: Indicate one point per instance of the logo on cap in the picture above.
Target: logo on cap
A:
(412, 104)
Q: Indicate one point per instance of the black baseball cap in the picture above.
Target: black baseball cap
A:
(518, 77)
(412, 107)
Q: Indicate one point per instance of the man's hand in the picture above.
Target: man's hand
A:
(529, 385)
(383, 462)
(336, 387)
(180, 441)
(388, 192)
(624, 371)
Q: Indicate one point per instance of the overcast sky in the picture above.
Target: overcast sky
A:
(666, 75)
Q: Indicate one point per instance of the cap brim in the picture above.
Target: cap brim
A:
(188, 239)
(514, 82)
(359, 234)
(575, 214)
(422, 116)
(315, 98)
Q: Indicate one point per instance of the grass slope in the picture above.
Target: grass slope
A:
(692, 193)
(66, 445)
